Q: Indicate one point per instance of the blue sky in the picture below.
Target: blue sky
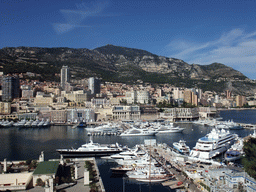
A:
(196, 31)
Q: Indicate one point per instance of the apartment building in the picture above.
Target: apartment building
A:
(180, 114)
(126, 112)
(5, 108)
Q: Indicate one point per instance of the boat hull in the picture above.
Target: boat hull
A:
(73, 153)
(148, 134)
(154, 180)
(233, 158)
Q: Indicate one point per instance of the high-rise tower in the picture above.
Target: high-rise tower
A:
(10, 88)
(94, 85)
(64, 76)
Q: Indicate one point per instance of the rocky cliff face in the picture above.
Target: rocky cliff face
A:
(113, 63)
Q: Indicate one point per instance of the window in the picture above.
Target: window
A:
(79, 114)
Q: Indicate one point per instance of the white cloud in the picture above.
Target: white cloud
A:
(74, 18)
(235, 49)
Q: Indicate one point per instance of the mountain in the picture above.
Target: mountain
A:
(121, 64)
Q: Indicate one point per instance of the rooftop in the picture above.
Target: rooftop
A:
(47, 167)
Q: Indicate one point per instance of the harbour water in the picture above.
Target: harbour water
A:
(27, 143)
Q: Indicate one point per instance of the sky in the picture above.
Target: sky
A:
(195, 31)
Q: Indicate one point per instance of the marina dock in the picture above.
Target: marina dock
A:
(165, 157)
(247, 125)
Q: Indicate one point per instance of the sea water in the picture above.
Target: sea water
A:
(27, 143)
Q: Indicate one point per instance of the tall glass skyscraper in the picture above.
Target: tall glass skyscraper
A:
(10, 88)
(64, 76)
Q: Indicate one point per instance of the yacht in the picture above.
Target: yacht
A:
(7, 123)
(163, 129)
(106, 129)
(20, 123)
(121, 170)
(124, 156)
(41, 123)
(91, 150)
(35, 123)
(148, 174)
(47, 123)
(82, 124)
(236, 151)
(213, 144)
(28, 123)
(181, 147)
(222, 126)
(138, 132)
(230, 124)
(200, 122)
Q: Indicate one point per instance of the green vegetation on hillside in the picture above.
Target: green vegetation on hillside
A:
(128, 52)
(249, 161)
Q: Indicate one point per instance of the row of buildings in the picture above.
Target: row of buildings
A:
(90, 100)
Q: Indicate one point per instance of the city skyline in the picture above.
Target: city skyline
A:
(200, 32)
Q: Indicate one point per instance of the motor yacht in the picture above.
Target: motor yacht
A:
(181, 147)
(35, 123)
(20, 123)
(148, 174)
(41, 123)
(236, 151)
(91, 150)
(138, 132)
(28, 123)
(167, 129)
(47, 123)
(7, 123)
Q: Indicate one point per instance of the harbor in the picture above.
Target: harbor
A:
(30, 141)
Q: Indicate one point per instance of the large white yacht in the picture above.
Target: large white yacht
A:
(138, 132)
(213, 144)
(170, 128)
(91, 149)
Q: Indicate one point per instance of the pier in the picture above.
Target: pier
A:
(164, 156)
(247, 125)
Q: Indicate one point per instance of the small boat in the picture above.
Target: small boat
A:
(181, 147)
(82, 124)
(121, 170)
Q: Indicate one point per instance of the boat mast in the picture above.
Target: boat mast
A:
(150, 167)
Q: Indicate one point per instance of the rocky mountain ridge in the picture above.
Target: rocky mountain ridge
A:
(120, 64)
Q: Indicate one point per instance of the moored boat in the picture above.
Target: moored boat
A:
(181, 147)
(138, 132)
(236, 151)
(213, 144)
(91, 150)
(82, 124)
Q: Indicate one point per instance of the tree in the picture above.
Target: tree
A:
(249, 161)
(39, 182)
